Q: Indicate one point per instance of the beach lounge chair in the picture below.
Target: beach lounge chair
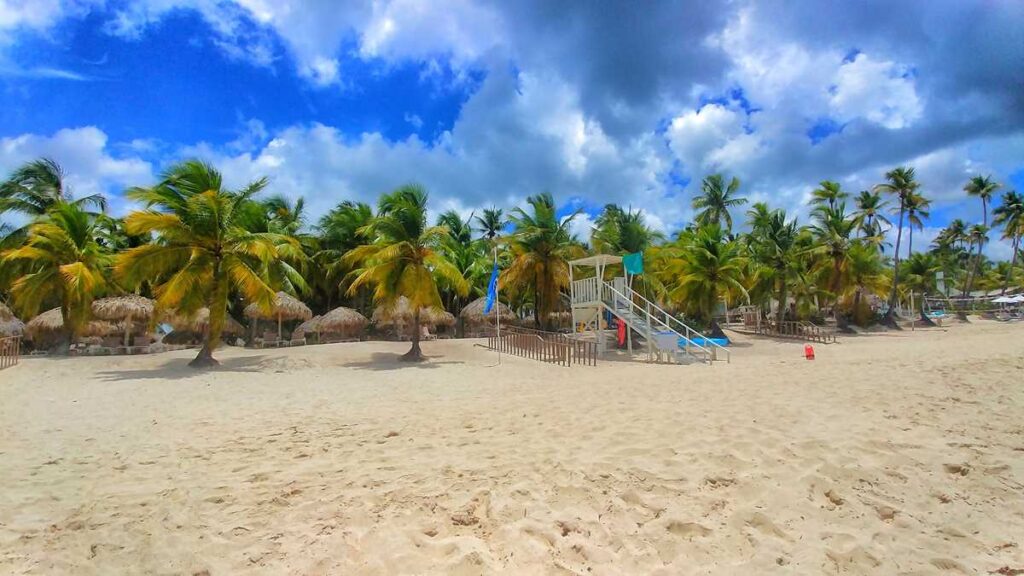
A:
(269, 340)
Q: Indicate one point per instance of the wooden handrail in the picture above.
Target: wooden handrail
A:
(10, 351)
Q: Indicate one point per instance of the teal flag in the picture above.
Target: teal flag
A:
(633, 263)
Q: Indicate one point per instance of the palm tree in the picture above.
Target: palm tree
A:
(286, 217)
(983, 187)
(865, 273)
(37, 186)
(870, 215)
(922, 271)
(832, 233)
(466, 254)
(702, 269)
(918, 207)
(491, 223)
(1010, 215)
(715, 200)
(339, 232)
(618, 231)
(203, 251)
(774, 244)
(541, 247)
(405, 258)
(62, 260)
(901, 183)
(828, 194)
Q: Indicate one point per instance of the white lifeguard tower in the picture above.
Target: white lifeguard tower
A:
(593, 298)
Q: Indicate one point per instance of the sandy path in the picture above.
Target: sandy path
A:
(890, 454)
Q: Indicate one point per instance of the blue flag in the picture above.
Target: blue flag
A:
(492, 290)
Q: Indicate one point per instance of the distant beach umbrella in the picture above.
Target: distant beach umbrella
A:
(399, 314)
(9, 324)
(341, 319)
(286, 307)
(50, 323)
(124, 308)
(474, 312)
(200, 323)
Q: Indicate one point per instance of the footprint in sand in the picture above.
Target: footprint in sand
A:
(957, 469)
(688, 530)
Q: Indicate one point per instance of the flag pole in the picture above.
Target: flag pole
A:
(497, 305)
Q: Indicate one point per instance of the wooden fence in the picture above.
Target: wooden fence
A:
(10, 351)
(799, 330)
(551, 347)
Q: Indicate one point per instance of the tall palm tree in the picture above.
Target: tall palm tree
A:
(983, 187)
(1010, 215)
(491, 223)
(828, 194)
(37, 186)
(775, 245)
(618, 231)
(715, 200)
(203, 251)
(541, 247)
(466, 254)
(339, 231)
(918, 207)
(702, 269)
(901, 184)
(62, 260)
(286, 216)
(405, 258)
(977, 236)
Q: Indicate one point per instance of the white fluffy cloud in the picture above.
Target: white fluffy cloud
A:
(877, 91)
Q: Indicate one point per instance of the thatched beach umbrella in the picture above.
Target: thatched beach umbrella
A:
(200, 323)
(286, 307)
(341, 319)
(124, 308)
(400, 313)
(9, 325)
(49, 323)
(474, 312)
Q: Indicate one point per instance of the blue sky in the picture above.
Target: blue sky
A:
(488, 102)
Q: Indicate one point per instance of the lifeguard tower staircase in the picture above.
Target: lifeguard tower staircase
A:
(667, 338)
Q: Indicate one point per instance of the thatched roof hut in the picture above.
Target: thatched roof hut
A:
(343, 322)
(127, 309)
(47, 328)
(286, 307)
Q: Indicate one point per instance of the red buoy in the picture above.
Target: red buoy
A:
(808, 351)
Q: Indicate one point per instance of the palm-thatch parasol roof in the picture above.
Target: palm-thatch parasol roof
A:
(51, 321)
(9, 325)
(200, 322)
(474, 312)
(340, 319)
(308, 325)
(401, 313)
(125, 308)
(120, 307)
(286, 307)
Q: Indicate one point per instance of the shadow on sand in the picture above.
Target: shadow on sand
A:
(383, 361)
(178, 369)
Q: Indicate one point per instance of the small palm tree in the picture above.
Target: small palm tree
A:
(491, 223)
(1010, 215)
(775, 244)
(715, 200)
(865, 274)
(203, 251)
(286, 216)
(901, 184)
(918, 207)
(703, 269)
(828, 194)
(60, 259)
(922, 276)
(340, 231)
(870, 215)
(833, 235)
(541, 247)
(405, 258)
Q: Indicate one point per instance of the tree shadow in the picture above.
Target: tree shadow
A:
(178, 369)
(384, 361)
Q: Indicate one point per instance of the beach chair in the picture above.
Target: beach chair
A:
(270, 340)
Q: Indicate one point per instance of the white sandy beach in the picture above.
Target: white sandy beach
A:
(889, 454)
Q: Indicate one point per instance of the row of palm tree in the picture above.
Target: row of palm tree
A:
(196, 243)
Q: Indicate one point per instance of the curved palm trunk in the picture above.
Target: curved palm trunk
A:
(780, 315)
(977, 258)
(218, 310)
(890, 314)
(924, 317)
(414, 354)
(1013, 262)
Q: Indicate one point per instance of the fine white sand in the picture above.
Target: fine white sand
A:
(890, 454)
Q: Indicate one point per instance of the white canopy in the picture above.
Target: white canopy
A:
(1003, 300)
(598, 260)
